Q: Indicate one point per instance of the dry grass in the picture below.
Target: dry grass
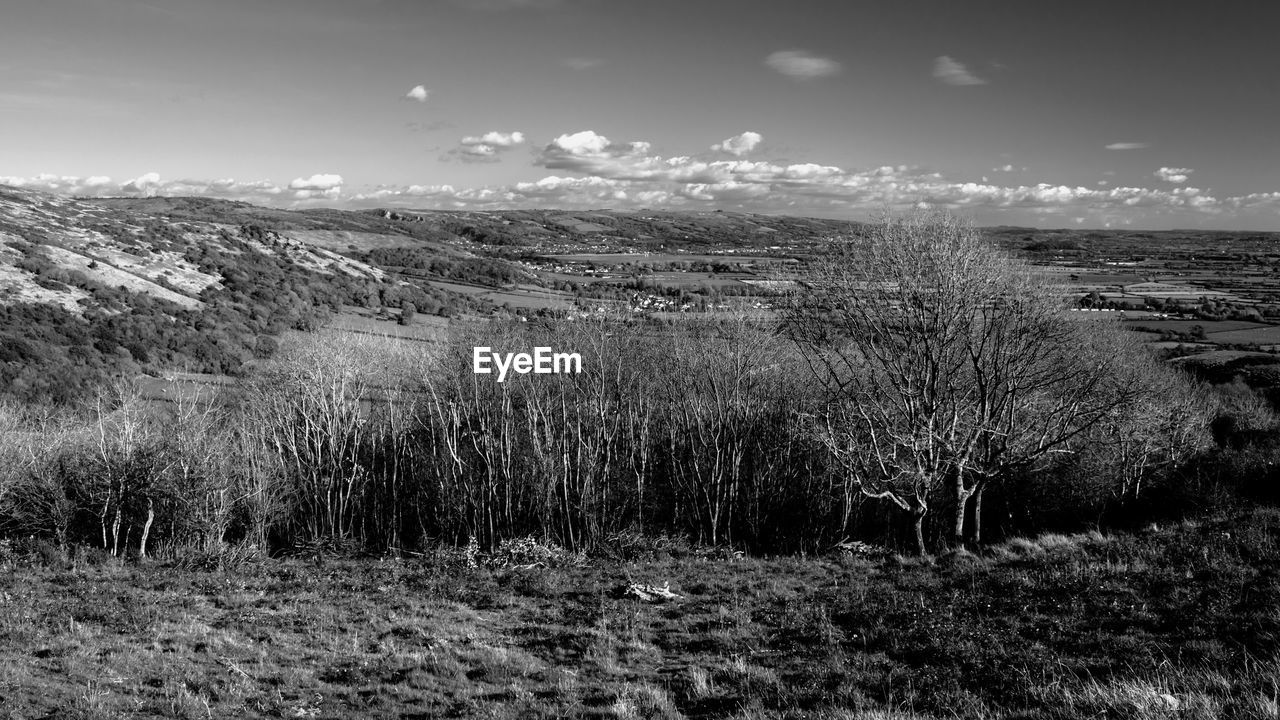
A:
(1181, 623)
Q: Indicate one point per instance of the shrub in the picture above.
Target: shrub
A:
(528, 551)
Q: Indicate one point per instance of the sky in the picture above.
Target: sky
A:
(1151, 115)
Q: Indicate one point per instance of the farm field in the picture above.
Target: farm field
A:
(1265, 335)
(689, 279)
(656, 258)
(1215, 327)
(1181, 622)
(526, 298)
(423, 328)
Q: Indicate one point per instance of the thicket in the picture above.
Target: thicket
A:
(479, 270)
(880, 410)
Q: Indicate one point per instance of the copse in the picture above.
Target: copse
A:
(948, 367)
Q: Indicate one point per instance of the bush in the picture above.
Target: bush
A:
(529, 551)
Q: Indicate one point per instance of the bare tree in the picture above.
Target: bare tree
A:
(947, 364)
(128, 464)
(37, 452)
(1162, 428)
(310, 406)
(724, 381)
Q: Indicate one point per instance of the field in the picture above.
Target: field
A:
(1180, 622)
(659, 258)
(1213, 327)
(528, 297)
(360, 321)
(1265, 335)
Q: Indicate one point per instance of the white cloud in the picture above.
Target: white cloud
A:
(599, 172)
(67, 184)
(486, 147)
(953, 72)
(802, 64)
(317, 187)
(581, 143)
(1173, 175)
(1002, 168)
(739, 145)
(1127, 146)
(142, 185)
(418, 93)
(629, 175)
(316, 182)
(496, 139)
(589, 152)
(150, 184)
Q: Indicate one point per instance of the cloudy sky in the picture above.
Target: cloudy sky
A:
(1092, 114)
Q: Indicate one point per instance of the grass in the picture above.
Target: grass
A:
(1183, 622)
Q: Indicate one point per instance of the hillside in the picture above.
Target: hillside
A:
(89, 289)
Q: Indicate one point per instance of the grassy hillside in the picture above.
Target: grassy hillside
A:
(1177, 623)
(91, 290)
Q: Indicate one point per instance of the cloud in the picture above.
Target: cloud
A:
(142, 185)
(630, 175)
(316, 182)
(65, 184)
(952, 72)
(418, 93)
(593, 171)
(583, 63)
(589, 152)
(739, 145)
(1173, 175)
(148, 185)
(1128, 146)
(802, 64)
(1002, 168)
(486, 147)
(811, 187)
(496, 139)
(319, 186)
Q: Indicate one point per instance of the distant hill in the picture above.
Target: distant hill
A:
(90, 289)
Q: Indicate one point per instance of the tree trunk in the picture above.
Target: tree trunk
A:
(115, 534)
(977, 515)
(962, 505)
(919, 514)
(146, 528)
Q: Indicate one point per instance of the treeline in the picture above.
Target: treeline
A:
(479, 270)
(708, 431)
